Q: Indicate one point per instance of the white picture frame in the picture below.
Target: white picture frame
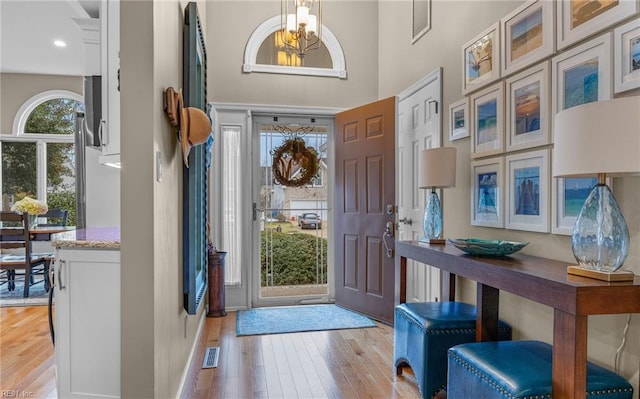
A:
(528, 35)
(578, 20)
(486, 109)
(459, 119)
(527, 191)
(571, 72)
(568, 196)
(481, 59)
(420, 19)
(487, 182)
(626, 50)
(527, 108)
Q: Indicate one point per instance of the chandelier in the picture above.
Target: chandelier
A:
(301, 26)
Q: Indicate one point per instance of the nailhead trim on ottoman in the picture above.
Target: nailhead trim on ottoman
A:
(519, 370)
(424, 331)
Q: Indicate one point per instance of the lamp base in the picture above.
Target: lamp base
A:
(598, 275)
(432, 240)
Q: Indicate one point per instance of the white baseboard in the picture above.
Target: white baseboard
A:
(235, 308)
(196, 339)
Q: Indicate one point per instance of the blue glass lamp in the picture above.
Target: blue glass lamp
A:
(599, 139)
(437, 169)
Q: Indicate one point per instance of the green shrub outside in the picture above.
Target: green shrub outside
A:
(294, 258)
(65, 200)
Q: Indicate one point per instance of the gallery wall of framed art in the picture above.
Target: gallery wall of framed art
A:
(539, 59)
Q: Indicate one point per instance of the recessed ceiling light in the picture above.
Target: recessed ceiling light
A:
(59, 43)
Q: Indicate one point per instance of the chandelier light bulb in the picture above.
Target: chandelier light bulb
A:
(303, 16)
(291, 23)
(304, 28)
(312, 25)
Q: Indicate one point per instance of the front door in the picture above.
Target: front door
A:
(292, 215)
(419, 121)
(364, 207)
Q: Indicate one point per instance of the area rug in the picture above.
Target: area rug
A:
(288, 319)
(37, 296)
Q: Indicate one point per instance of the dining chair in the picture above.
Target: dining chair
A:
(16, 253)
(54, 217)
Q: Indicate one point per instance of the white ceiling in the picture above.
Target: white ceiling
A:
(28, 29)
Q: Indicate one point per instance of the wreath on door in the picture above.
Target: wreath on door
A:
(294, 163)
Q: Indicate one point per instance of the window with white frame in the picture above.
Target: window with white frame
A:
(261, 54)
(317, 180)
(38, 158)
(231, 239)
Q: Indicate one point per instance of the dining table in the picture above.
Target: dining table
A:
(38, 233)
(44, 233)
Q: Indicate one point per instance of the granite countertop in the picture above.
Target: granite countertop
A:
(92, 237)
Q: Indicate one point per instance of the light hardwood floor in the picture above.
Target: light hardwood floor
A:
(27, 365)
(353, 363)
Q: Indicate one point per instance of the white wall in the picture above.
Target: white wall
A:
(157, 333)
(230, 24)
(453, 24)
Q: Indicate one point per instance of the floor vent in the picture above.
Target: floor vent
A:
(211, 357)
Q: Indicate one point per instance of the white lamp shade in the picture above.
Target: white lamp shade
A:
(437, 168)
(598, 137)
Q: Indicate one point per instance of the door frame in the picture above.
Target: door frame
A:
(240, 297)
(259, 118)
(435, 76)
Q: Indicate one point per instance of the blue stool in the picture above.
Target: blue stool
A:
(519, 370)
(422, 334)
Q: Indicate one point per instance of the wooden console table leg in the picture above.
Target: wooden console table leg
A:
(401, 281)
(487, 301)
(569, 356)
(448, 286)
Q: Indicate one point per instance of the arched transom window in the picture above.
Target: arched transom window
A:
(264, 54)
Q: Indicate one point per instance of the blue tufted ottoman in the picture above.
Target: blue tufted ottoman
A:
(422, 334)
(519, 370)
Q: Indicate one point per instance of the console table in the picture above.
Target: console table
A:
(546, 281)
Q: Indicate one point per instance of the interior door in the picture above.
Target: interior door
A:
(419, 127)
(364, 206)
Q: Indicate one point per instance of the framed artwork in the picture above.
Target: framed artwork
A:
(527, 108)
(582, 74)
(487, 192)
(458, 120)
(195, 182)
(421, 19)
(528, 35)
(481, 59)
(626, 50)
(527, 197)
(568, 196)
(487, 121)
(578, 19)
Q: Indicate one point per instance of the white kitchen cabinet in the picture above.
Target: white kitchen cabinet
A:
(110, 63)
(87, 322)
